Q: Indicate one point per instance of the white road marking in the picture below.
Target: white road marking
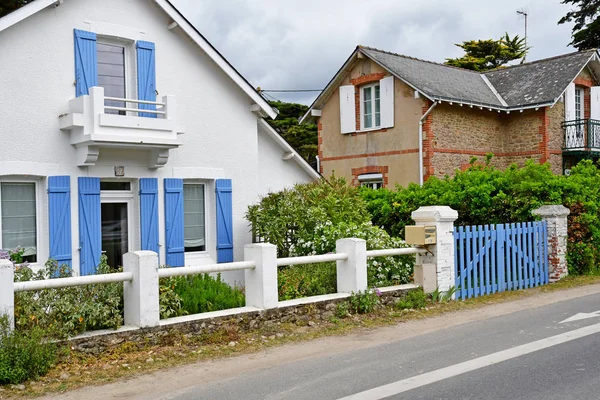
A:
(581, 316)
(414, 382)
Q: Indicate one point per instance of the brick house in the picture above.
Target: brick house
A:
(388, 119)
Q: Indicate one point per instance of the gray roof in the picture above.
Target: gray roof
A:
(538, 82)
(436, 80)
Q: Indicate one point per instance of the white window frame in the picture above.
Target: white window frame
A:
(205, 252)
(41, 245)
(579, 101)
(374, 181)
(133, 211)
(130, 65)
(362, 106)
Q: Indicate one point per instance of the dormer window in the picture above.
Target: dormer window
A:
(370, 106)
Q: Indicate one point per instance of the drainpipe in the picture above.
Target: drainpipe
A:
(318, 164)
(421, 141)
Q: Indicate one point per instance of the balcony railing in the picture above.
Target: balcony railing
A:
(582, 135)
(99, 122)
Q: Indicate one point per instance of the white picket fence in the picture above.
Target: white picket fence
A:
(141, 276)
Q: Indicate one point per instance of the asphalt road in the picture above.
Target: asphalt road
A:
(434, 363)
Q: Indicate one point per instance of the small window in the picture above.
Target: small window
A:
(373, 181)
(194, 217)
(370, 107)
(115, 185)
(111, 74)
(18, 218)
(579, 103)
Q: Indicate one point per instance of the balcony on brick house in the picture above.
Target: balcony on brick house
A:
(98, 122)
(582, 135)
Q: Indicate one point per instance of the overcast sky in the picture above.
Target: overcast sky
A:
(300, 44)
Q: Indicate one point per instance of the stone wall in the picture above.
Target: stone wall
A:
(302, 314)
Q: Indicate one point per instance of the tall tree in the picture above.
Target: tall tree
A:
(303, 138)
(586, 32)
(8, 6)
(483, 55)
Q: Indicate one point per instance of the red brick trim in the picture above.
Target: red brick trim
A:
(555, 152)
(583, 82)
(370, 169)
(484, 153)
(544, 140)
(428, 138)
(369, 78)
(365, 155)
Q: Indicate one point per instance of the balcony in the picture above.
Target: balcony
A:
(582, 135)
(97, 122)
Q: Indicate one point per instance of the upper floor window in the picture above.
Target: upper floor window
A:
(111, 74)
(370, 106)
(579, 113)
(18, 218)
(194, 219)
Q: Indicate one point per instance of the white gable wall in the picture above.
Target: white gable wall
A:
(37, 81)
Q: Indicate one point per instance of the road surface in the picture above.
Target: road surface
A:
(518, 350)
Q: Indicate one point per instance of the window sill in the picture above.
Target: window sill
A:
(365, 131)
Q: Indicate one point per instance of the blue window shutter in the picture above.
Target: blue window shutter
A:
(149, 213)
(90, 229)
(174, 222)
(86, 62)
(224, 221)
(146, 71)
(59, 219)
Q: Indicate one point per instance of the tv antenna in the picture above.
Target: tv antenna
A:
(524, 14)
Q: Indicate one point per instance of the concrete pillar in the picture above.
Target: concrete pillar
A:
(141, 295)
(261, 282)
(352, 273)
(7, 293)
(556, 218)
(441, 254)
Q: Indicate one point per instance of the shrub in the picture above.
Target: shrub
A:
(281, 218)
(68, 311)
(169, 301)
(485, 195)
(24, 355)
(306, 280)
(364, 302)
(203, 293)
(415, 299)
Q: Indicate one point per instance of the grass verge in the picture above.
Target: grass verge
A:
(76, 370)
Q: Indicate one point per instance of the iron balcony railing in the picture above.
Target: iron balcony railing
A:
(582, 134)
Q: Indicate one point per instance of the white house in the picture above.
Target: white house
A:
(84, 171)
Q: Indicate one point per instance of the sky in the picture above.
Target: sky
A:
(301, 44)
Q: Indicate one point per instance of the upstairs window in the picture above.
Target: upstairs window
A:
(370, 106)
(579, 114)
(111, 74)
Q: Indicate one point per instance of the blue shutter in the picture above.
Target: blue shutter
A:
(90, 231)
(146, 74)
(86, 62)
(149, 213)
(224, 221)
(59, 219)
(174, 222)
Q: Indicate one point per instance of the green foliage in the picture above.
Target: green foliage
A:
(485, 195)
(203, 293)
(68, 311)
(586, 31)
(415, 299)
(302, 137)
(483, 55)
(297, 281)
(442, 297)
(342, 309)
(169, 301)
(24, 355)
(8, 6)
(281, 218)
(364, 302)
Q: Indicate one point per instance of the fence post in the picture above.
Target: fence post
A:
(7, 291)
(441, 254)
(261, 282)
(556, 220)
(352, 273)
(141, 295)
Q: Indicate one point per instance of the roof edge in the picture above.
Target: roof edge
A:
(493, 89)
(25, 12)
(284, 145)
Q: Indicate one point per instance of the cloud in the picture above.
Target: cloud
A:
(297, 44)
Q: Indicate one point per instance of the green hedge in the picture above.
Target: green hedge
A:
(485, 195)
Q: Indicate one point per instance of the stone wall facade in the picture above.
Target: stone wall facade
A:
(302, 314)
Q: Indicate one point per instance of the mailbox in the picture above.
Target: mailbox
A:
(420, 235)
